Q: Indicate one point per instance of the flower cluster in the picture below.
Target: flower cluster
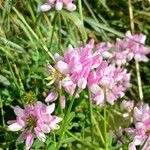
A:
(141, 132)
(58, 5)
(86, 67)
(34, 121)
(124, 50)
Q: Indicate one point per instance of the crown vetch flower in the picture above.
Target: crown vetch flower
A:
(34, 121)
(58, 4)
(141, 132)
(131, 47)
(73, 69)
(110, 79)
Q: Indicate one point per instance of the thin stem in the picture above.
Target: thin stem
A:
(80, 11)
(54, 139)
(65, 123)
(59, 25)
(91, 114)
(105, 119)
(137, 66)
(53, 29)
(2, 112)
(98, 130)
(60, 98)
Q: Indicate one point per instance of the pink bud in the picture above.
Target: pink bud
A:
(45, 7)
(71, 7)
(59, 6)
(52, 96)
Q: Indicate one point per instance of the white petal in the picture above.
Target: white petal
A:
(82, 83)
(50, 108)
(45, 7)
(15, 127)
(59, 6)
(45, 128)
(71, 7)
(131, 146)
(41, 136)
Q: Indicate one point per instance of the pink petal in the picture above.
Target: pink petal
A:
(95, 89)
(71, 7)
(45, 128)
(41, 136)
(62, 67)
(29, 141)
(18, 111)
(52, 96)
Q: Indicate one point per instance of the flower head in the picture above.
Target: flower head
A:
(34, 121)
(141, 132)
(58, 5)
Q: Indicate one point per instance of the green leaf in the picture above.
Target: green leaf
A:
(74, 17)
(92, 22)
(4, 80)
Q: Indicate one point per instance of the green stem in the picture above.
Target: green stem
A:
(137, 66)
(80, 11)
(59, 25)
(91, 114)
(98, 130)
(65, 123)
(53, 29)
(105, 119)
(136, 63)
(60, 98)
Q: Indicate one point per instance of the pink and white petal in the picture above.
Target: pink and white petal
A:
(58, 57)
(41, 136)
(62, 67)
(95, 89)
(57, 119)
(50, 108)
(18, 111)
(59, 6)
(71, 7)
(45, 128)
(15, 127)
(52, 96)
(132, 146)
(54, 126)
(82, 83)
(45, 7)
(29, 141)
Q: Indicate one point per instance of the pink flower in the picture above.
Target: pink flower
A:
(75, 67)
(132, 46)
(110, 79)
(127, 105)
(141, 132)
(34, 121)
(58, 4)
